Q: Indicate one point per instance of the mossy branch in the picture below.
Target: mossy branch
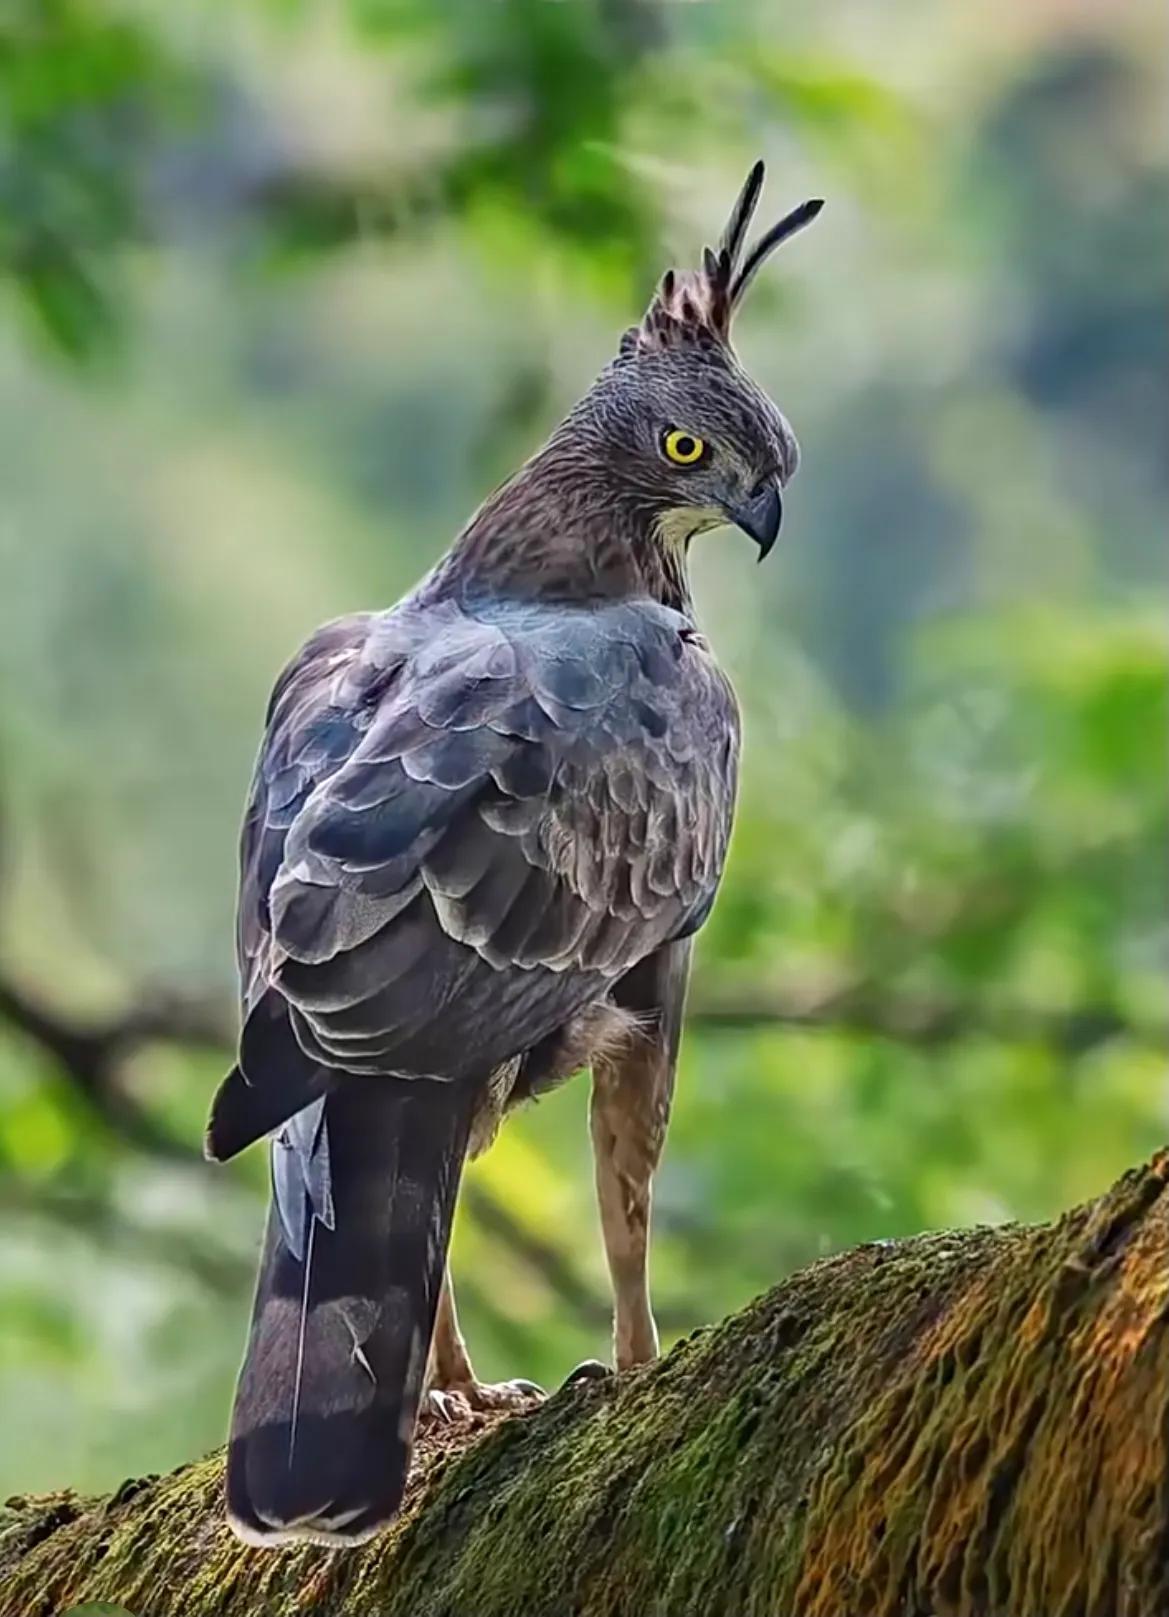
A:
(972, 1424)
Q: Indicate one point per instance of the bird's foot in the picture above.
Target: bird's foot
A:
(465, 1399)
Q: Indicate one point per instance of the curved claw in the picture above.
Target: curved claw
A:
(465, 1399)
(445, 1407)
(587, 1370)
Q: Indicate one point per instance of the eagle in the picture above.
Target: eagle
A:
(484, 827)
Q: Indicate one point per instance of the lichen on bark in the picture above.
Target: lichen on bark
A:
(972, 1424)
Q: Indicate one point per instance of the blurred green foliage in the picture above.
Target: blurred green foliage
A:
(80, 91)
(286, 289)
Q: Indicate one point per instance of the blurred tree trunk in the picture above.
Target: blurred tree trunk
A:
(972, 1424)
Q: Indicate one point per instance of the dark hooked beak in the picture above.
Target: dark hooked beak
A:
(760, 514)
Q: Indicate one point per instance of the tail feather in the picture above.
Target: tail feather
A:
(349, 1281)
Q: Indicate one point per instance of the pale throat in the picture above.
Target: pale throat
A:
(670, 531)
(677, 525)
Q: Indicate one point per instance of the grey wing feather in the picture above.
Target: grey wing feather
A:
(315, 718)
(311, 728)
(504, 808)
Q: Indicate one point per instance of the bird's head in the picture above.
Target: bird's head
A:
(673, 437)
(687, 433)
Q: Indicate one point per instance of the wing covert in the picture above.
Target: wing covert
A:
(562, 792)
(516, 795)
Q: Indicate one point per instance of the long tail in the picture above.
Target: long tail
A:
(364, 1185)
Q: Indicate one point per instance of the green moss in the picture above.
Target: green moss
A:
(887, 1432)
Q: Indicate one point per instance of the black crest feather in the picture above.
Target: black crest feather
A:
(697, 306)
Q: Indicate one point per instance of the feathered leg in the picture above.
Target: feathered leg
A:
(630, 1111)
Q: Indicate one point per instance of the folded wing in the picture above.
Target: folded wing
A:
(465, 823)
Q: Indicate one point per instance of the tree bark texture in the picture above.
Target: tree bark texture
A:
(972, 1424)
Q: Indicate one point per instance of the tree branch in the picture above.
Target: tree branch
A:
(970, 1423)
(91, 1058)
(868, 1009)
(212, 1266)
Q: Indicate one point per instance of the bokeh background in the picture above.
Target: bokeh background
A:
(284, 289)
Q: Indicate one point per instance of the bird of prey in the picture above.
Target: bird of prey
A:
(484, 827)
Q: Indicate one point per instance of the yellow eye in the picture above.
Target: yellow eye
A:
(684, 448)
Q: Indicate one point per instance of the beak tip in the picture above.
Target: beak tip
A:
(760, 517)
